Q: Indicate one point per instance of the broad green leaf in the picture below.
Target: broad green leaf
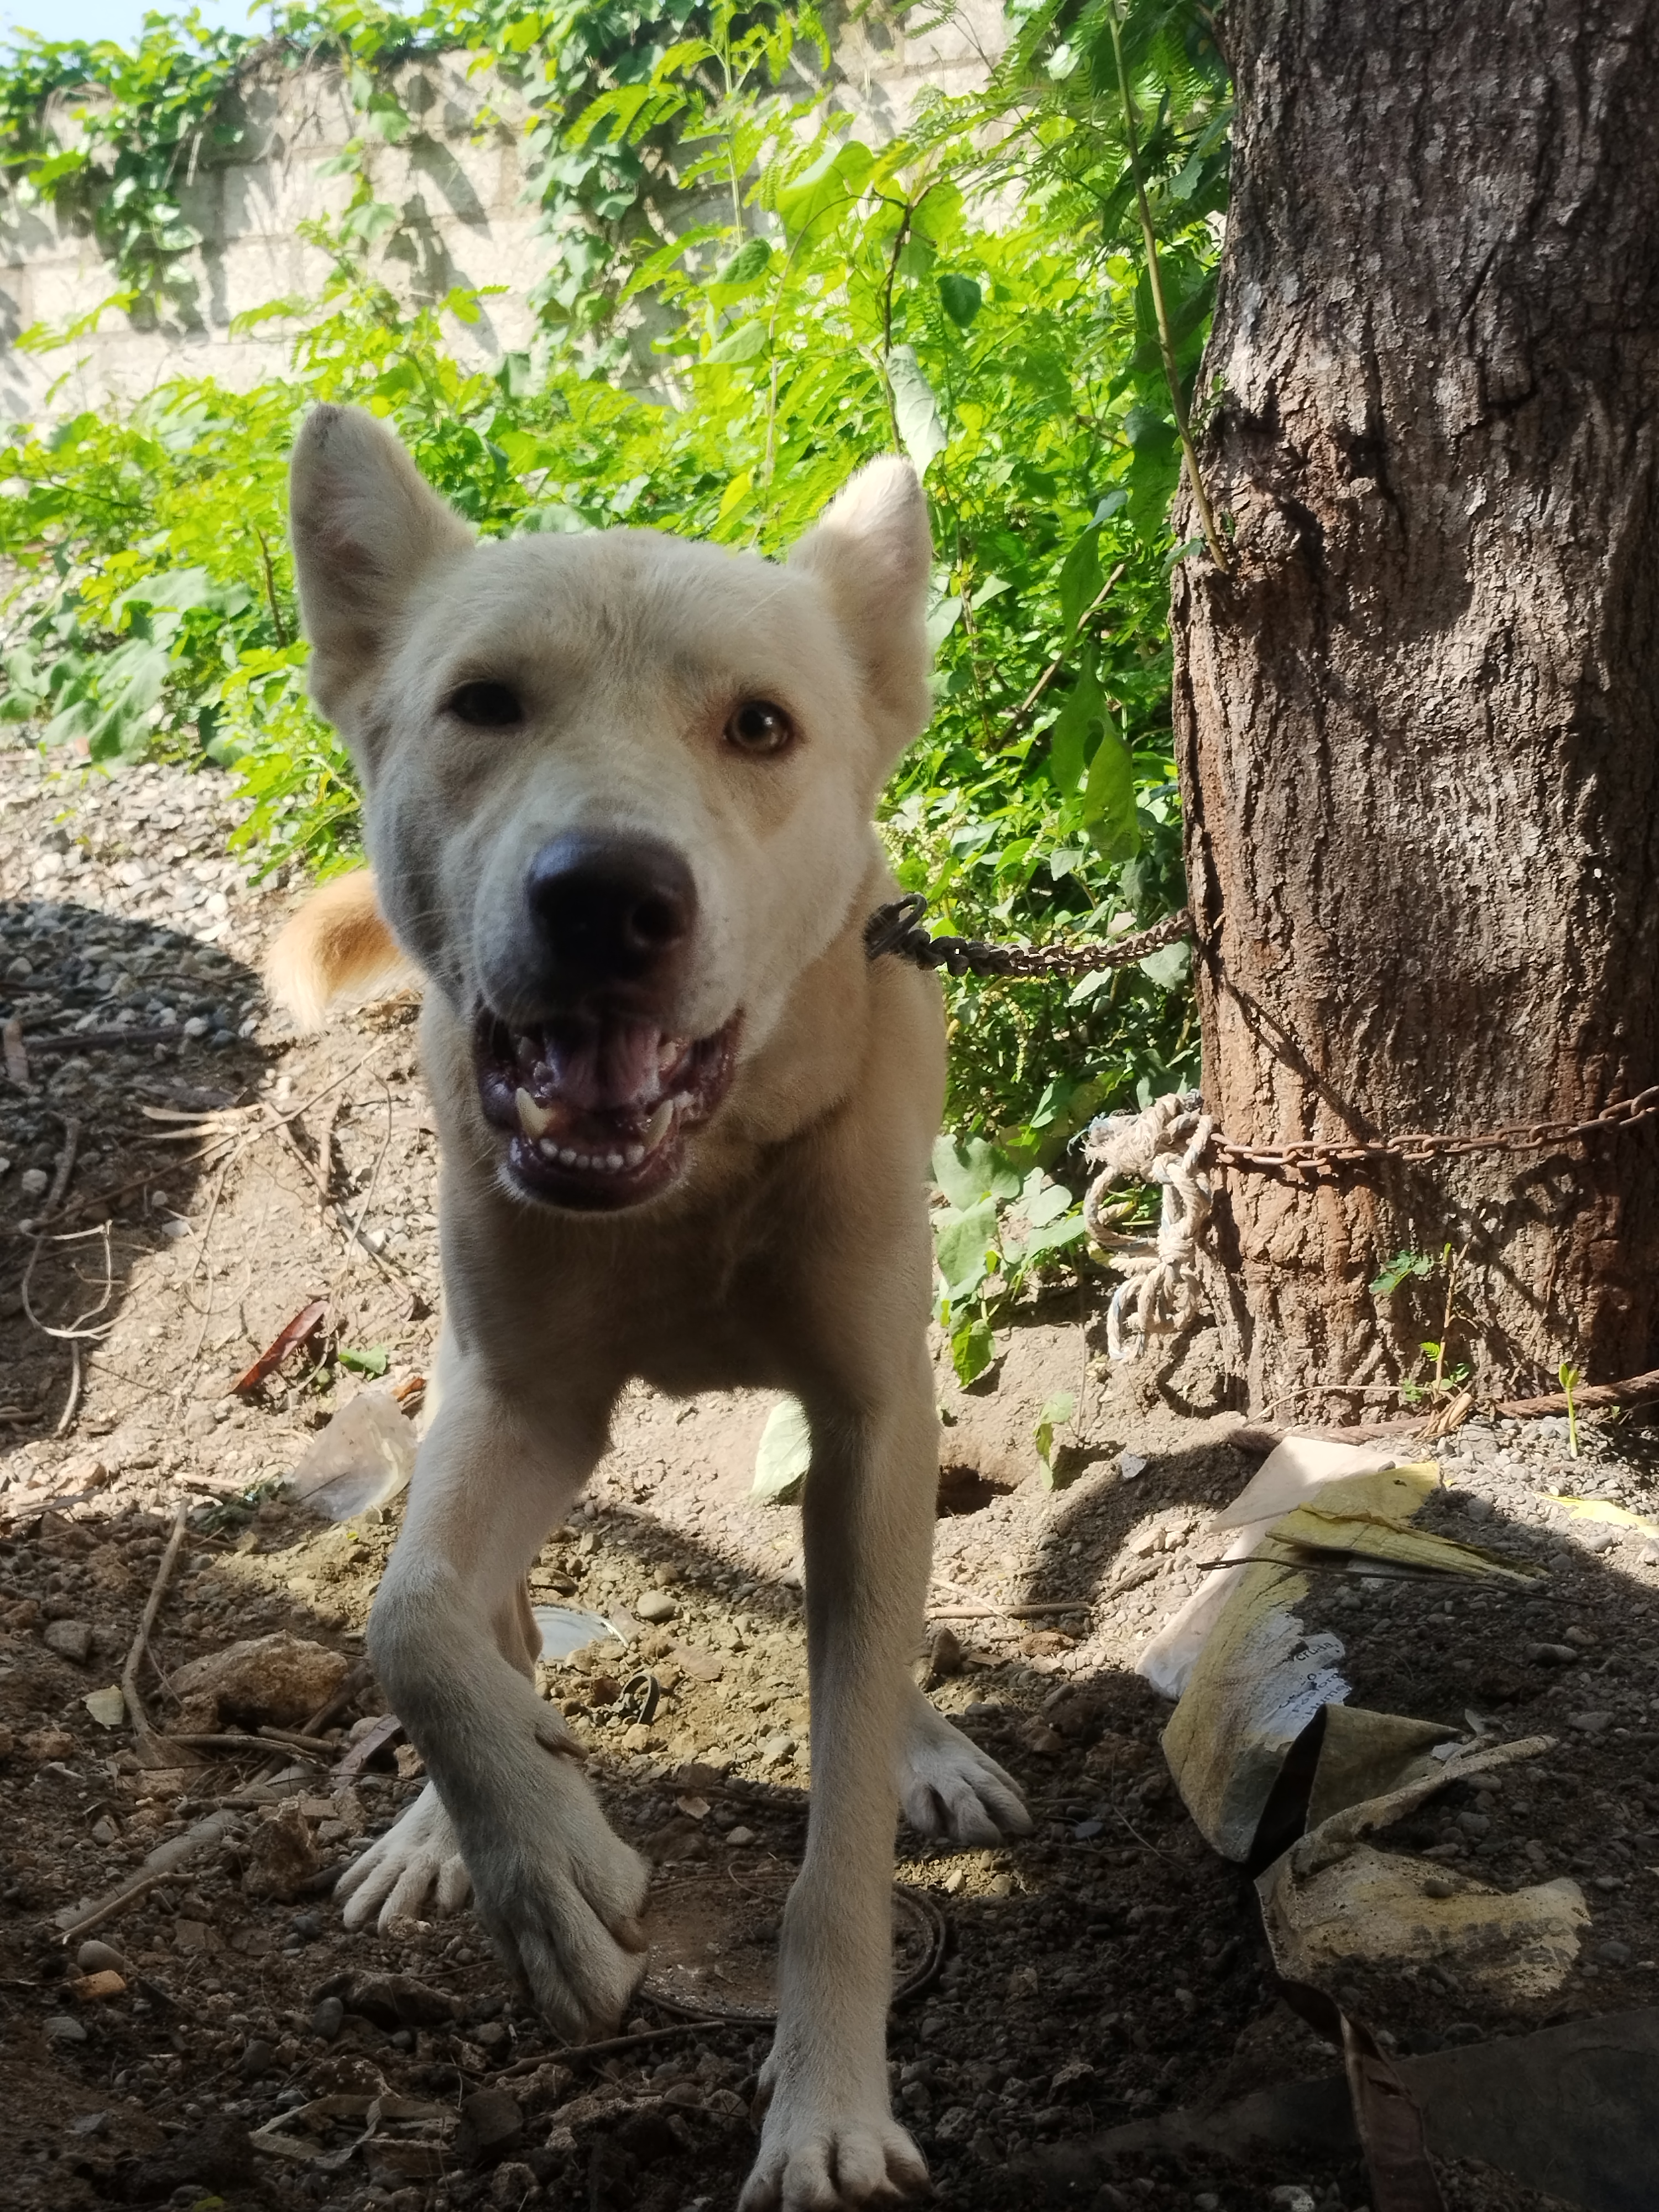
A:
(962, 1242)
(973, 1347)
(1168, 967)
(1109, 800)
(748, 264)
(1082, 715)
(1079, 579)
(784, 1454)
(961, 299)
(967, 1170)
(743, 344)
(916, 409)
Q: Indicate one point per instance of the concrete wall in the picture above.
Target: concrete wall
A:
(460, 181)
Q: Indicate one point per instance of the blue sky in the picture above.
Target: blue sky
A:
(120, 20)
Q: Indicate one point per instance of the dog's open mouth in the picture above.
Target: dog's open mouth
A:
(597, 1108)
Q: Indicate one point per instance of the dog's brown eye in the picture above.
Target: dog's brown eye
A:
(758, 726)
(485, 706)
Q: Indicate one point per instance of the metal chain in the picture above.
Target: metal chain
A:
(896, 929)
(1419, 1147)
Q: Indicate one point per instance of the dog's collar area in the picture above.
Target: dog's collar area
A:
(596, 1111)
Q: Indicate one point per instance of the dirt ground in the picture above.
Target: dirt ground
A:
(1110, 1969)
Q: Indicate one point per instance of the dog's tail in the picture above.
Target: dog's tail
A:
(337, 943)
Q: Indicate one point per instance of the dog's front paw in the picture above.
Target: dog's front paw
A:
(417, 1859)
(812, 2161)
(948, 1787)
(562, 1895)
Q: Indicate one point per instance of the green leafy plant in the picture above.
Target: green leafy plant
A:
(1569, 1378)
(1444, 1375)
(993, 1230)
(1056, 1412)
(369, 1359)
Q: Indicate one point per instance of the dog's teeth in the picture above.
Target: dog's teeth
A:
(568, 1156)
(658, 1126)
(548, 1149)
(533, 1120)
(667, 1053)
(613, 1161)
(634, 1155)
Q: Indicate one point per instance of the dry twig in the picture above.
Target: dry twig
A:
(153, 1750)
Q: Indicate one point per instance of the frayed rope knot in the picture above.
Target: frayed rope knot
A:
(1164, 1145)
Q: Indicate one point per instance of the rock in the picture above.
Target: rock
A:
(657, 1605)
(215, 2155)
(280, 1678)
(739, 1836)
(395, 2000)
(7, 1743)
(259, 2058)
(69, 1639)
(31, 1183)
(328, 2018)
(282, 1855)
(513, 2185)
(50, 1743)
(492, 2124)
(776, 1749)
(107, 1707)
(1590, 1724)
(61, 2028)
(95, 1958)
(1613, 1953)
(1553, 1655)
(701, 1666)
(1130, 1464)
(1038, 1737)
(94, 1989)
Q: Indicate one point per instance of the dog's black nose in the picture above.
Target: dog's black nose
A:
(610, 909)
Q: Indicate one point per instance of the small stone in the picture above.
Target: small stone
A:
(514, 2184)
(280, 1855)
(327, 2019)
(69, 1639)
(257, 2059)
(492, 2124)
(739, 1836)
(107, 1707)
(1290, 2197)
(1086, 1831)
(1613, 1953)
(104, 1830)
(1590, 1724)
(192, 1935)
(657, 1605)
(89, 2123)
(60, 2028)
(31, 1183)
(1037, 1736)
(93, 1989)
(1553, 1655)
(1131, 1465)
(95, 1958)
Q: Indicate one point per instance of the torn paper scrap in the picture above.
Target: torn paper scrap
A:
(1257, 1683)
(1378, 1909)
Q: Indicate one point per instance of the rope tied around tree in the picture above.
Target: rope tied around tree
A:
(1164, 1143)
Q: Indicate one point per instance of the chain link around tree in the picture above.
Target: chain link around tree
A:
(896, 929)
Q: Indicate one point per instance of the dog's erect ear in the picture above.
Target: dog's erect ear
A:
(873, 554)
(365, 526)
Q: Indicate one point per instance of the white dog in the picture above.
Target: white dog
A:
(619, 791)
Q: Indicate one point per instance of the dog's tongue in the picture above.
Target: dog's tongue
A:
(602, 1067)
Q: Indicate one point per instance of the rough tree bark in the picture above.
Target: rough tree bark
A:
(1417, 725)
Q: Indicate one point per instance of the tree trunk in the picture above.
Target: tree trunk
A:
(1417, 724)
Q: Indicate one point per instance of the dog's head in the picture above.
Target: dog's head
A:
(619, 785)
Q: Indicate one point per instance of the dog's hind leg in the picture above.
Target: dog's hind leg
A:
(453, 1643)
(830, 2139)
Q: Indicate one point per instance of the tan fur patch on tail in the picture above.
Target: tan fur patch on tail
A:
(337, 943)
